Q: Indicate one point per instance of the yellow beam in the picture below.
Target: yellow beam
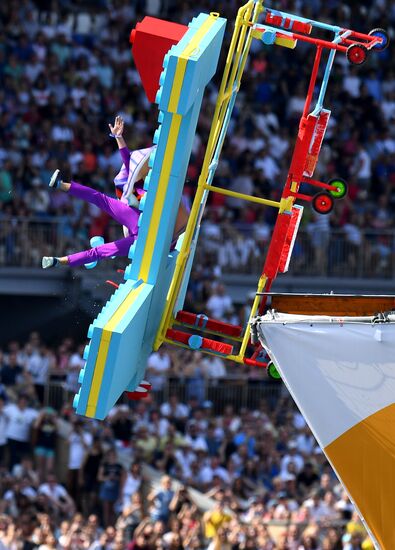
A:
(254, 309)
(242, 196)
(234, 358)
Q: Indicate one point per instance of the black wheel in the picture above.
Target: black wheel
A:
(357, 54)
(272, 371)
(341, 186)
(381, 33)
(322, 203)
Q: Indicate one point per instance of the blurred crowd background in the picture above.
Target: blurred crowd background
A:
(163, 472)
(244, 475)
(66, 71)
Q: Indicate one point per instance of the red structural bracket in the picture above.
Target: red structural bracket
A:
(204, 343)
(152, 39)
(287, 23)
(288, 245)
(254, 363)
(316, 142)
(203, 322)
(276, 246)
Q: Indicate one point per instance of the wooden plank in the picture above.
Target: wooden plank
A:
(331, 304)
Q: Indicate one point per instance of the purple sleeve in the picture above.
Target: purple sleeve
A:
(125, 154)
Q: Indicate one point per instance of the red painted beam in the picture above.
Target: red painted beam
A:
(202, 322)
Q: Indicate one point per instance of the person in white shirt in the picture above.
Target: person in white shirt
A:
(131, 484)
(305, 442)
(20, 420)
(3, 431)
(292, 456)
(321, 509)
(267, 165)
(76, 363)
(79, 442)
(185, 457)
(219, 303)
(38, 365)
(57, 496)
(158, 365)
(213, 367)
(22, 487)
(212, 469)
(174, 409)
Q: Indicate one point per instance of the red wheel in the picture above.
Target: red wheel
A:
(322, 203)
(357, 54)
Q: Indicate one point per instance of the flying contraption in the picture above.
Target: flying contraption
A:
(176, 63)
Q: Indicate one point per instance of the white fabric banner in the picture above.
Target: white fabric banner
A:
(339, 371)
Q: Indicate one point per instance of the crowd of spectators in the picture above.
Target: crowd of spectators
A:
(160, 473)
(66, 70)
(230, 479)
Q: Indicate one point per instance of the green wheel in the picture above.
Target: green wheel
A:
(272, 371)
(341, 190)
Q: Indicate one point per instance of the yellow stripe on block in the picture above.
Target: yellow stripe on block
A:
(98, 374)
(183, 59)
(171, 145)
(103, 350)
(160, 197)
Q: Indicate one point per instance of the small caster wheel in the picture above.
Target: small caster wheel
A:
(357, 54)
(381, 33)
(322, 203)
(341, 188)
(272, 371)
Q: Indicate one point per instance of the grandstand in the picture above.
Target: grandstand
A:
(245, 472)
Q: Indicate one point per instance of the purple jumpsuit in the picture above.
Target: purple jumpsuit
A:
(122, 213)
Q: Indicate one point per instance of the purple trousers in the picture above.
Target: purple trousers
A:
(120, 212)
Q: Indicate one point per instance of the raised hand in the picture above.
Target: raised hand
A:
(117, 129)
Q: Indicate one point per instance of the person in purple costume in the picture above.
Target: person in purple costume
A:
(125, 210)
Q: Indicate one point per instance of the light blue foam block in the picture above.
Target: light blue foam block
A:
(96, 335)
(182, 154)
(157, 305)
(172, 59)
(201, 66)
(124, 351)
(132, 340)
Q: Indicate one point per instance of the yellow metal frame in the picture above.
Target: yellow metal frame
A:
(242, 37)
(243, 196)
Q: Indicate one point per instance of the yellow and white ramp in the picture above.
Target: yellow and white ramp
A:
(341, 374)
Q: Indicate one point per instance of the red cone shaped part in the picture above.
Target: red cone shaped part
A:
(152, 39)
(136, 395)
